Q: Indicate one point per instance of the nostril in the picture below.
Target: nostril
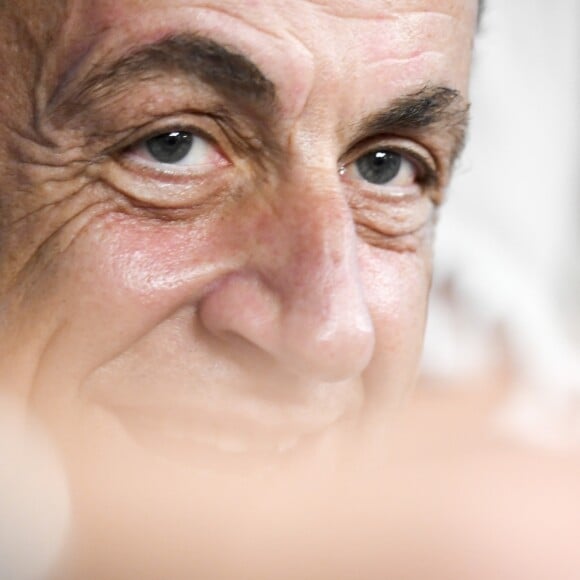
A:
(312, 339)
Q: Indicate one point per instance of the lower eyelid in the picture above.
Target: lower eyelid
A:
(394, 202)
(383, 194)
(394, 219)
(143, 185)
(161, 175)
(421, 159)
(140, 158)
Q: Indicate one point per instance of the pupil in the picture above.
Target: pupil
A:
(379, 167)
(170, 147)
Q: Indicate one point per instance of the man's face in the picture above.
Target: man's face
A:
(215, 244)
(217, 216)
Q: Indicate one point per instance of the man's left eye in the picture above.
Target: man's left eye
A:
(383, 167)
(182, 150)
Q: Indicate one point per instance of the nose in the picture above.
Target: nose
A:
(299, 297)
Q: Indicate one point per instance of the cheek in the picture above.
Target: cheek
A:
(156, 263)
(127, 275)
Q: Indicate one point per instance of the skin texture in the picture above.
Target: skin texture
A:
(260, 313)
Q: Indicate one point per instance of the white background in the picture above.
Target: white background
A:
(509, 236)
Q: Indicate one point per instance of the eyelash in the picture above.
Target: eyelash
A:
(140, 138)
(428, 176)
(428, 172)
(135, 135)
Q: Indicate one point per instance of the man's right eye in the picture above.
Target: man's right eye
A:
(179, 151)
(171, 148)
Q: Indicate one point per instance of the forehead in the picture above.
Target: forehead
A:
(299, 44)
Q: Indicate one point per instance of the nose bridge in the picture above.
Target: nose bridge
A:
(325, 326)
(319, 240)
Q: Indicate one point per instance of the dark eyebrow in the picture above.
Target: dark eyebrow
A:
(228, 72)
(424, 109)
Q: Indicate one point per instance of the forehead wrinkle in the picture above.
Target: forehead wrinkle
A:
(397, 39)
(387, 9)
(232, 25)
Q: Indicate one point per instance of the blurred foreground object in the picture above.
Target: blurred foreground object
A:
(34, 502)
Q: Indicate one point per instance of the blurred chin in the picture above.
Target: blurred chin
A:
(229, 425)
